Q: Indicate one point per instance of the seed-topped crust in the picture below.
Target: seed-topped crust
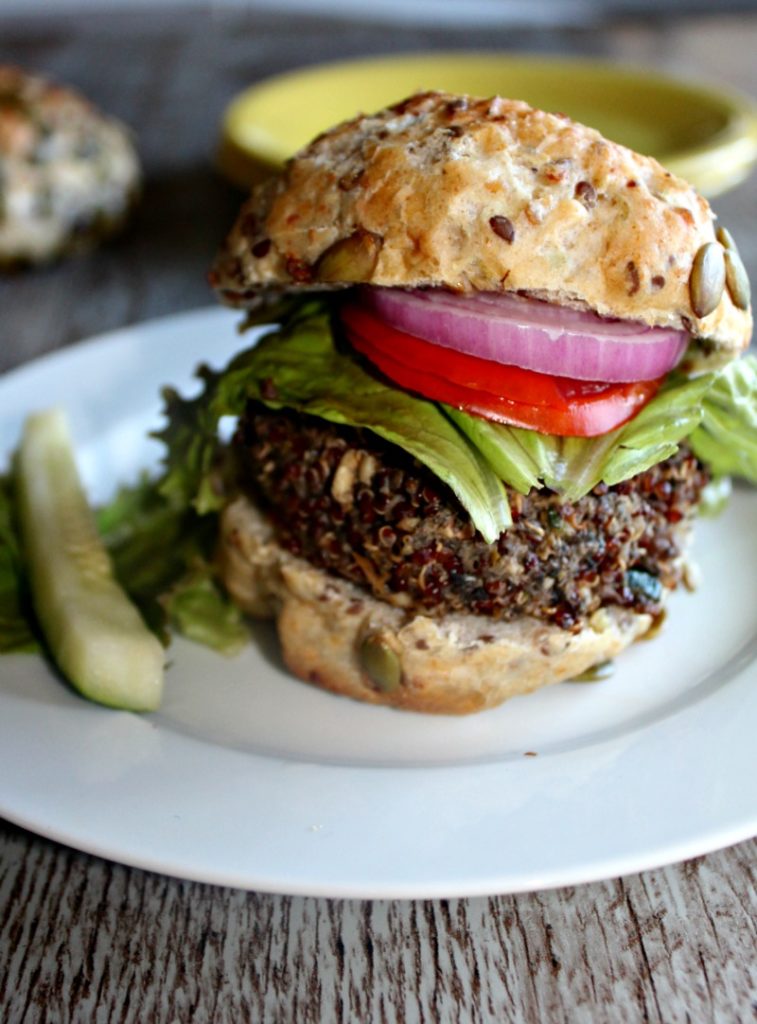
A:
(481, 195)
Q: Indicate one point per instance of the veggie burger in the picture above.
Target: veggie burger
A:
(501, 380)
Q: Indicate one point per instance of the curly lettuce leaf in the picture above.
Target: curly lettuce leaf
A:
(300, 367)
(162, 554)
(197, 608)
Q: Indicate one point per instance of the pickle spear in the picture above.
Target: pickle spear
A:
(94, 633)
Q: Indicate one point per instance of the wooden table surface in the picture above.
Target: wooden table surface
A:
(82, 939)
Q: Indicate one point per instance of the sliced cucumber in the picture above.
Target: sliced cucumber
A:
(94, 632)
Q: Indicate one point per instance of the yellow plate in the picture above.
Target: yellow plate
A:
(705, 135)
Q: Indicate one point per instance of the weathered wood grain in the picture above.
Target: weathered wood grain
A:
(83, 940)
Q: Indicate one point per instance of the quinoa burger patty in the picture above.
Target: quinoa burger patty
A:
(364, 511)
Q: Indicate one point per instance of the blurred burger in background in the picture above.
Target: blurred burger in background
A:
(69, 175)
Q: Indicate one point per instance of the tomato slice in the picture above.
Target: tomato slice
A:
(509, 394)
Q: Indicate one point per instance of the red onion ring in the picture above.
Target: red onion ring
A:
(532, 334)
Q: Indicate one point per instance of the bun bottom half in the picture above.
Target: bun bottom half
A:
(336, 636)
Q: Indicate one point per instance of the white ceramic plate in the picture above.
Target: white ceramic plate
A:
(249, 778)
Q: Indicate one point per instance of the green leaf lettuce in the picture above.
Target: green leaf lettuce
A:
(300, 367)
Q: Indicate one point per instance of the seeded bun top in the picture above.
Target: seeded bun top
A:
(490, 195)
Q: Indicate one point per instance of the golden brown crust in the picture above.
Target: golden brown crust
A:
(455, 665)
(481, 195)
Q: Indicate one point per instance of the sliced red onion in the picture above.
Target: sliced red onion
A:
(532, 334)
